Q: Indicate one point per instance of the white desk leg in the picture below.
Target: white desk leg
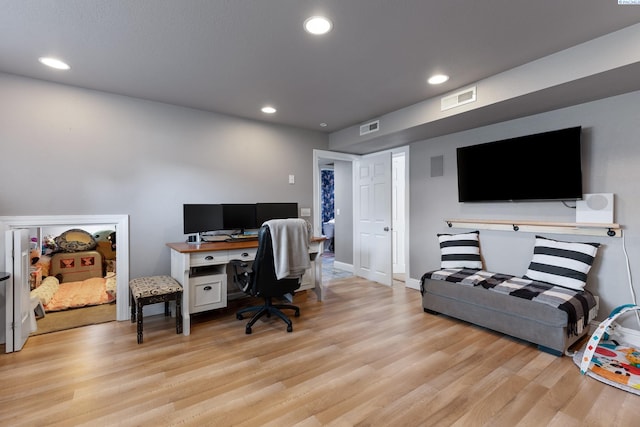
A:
(180, 272)
(186, 317)
(318, 273)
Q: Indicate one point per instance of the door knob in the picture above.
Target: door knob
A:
(386, 229)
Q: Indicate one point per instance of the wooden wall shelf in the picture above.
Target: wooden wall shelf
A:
(585, 229)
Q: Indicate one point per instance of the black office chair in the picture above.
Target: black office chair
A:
(261, 281)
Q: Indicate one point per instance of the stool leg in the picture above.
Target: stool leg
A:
(179, 313)
(139, 321)
(132, 303)
(167, 313)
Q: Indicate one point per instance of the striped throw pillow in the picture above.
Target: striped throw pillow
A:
(561, 263)
(460, 250)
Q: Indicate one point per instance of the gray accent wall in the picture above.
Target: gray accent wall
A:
(611, 164)
(70, 151)
(343, 178)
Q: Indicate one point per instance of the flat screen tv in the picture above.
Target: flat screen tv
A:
(539, 167)
(267, 211)
(200, 218)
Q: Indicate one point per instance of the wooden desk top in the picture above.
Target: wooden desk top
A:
(184, 247)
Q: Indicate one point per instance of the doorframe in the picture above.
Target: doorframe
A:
(122, 237)
(319, 155)
(402, 153)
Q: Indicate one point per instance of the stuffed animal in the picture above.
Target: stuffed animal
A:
(633, 356)
(112, 238)
(48, 245)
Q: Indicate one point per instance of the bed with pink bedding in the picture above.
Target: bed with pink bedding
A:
(56, 296)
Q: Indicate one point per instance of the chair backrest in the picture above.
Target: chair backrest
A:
(263, 280)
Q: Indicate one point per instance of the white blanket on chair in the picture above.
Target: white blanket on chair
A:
(290, 241)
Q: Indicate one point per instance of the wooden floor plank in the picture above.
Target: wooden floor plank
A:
(366, 355)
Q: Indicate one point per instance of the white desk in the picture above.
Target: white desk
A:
(201, 269)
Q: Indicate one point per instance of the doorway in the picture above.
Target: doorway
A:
(337, 261)
(327, 205)
(400, 201)
(121, 225)
(83, 278)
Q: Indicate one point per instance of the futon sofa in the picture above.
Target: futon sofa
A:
(548, 306)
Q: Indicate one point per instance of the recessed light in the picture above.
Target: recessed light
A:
(323, 125)
(268, 109)
(317, 25)
(54, 63)
(437, 79)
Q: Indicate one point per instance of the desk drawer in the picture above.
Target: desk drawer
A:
(248, 254)
(205, 258)
(207, 292)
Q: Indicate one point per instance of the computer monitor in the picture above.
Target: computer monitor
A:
(200, 218)
(239, 216)
(267, 211)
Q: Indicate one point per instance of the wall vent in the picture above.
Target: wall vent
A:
(370, 127)
(457, 99)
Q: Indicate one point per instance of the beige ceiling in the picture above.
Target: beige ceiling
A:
(233, 56)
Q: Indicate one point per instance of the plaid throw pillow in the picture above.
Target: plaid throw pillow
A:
(561, 263)
(460, 250)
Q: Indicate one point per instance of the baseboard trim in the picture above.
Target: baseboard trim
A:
(343, 266)
(630, 336)
(413, 284)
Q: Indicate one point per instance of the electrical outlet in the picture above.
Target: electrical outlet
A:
(292, 179)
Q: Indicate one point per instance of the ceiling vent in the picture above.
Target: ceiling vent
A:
(370, 127)
(459, 98)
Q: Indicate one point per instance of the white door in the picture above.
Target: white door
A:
(18, 320)
(372, 254)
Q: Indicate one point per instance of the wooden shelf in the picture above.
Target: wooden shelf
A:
(585, 229)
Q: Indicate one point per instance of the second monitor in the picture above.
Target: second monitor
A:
(244, 216)
(239, 216)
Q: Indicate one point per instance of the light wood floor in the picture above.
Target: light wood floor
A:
(368, 356)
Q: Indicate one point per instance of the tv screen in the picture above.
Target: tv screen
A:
(201, 218)
(239, 216)
(544, 166)
(267, 211)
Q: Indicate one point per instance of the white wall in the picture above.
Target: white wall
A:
(611, 164)
(69, 151)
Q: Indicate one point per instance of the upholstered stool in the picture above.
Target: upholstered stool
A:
(152, 290)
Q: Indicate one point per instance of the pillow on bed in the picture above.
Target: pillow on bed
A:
(561, 263)
(110, 284)
(460, 250)
(75, 240)
(46, 290)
